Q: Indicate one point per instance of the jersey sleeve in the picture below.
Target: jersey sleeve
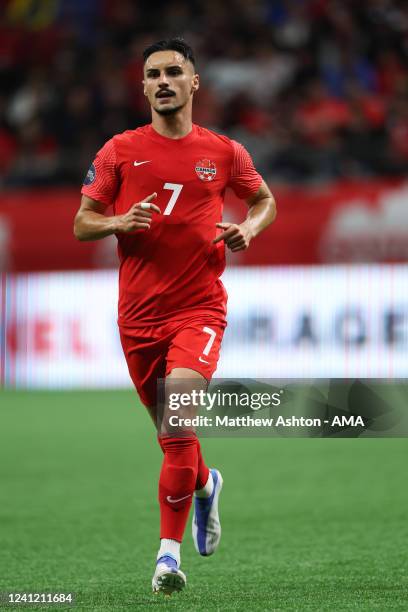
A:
(244, 179)
(102, 180)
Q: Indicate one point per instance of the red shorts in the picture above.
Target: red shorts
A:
(152, 352)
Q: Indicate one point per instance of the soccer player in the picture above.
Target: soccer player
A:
(166, 182)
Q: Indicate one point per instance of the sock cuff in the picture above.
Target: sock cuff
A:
(163, 438)
(168, 442)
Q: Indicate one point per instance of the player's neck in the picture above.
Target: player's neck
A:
(172, 126)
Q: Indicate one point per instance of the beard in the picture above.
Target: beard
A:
(168, 111)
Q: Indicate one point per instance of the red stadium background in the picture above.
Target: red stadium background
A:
(348, 221)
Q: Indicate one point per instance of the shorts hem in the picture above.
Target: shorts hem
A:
(190, 366)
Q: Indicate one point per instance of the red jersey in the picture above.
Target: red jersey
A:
(173, 269)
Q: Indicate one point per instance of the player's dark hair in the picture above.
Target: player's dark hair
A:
(171, 44)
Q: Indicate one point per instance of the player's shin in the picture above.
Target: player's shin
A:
(204, 483)
(177, 483)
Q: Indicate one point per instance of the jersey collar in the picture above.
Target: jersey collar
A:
(178, 142)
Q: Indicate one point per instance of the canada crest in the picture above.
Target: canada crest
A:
(206, 170)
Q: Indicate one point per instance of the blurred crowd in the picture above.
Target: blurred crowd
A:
(316, 89)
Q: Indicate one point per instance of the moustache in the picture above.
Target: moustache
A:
(165, 93)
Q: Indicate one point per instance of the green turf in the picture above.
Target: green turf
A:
(309, 524)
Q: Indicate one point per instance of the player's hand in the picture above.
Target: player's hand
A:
(139, 216)
(236, 237)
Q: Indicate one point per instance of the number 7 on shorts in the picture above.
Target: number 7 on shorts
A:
(211, 339)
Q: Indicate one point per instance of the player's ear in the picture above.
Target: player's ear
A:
(196, 83)
(144, 87)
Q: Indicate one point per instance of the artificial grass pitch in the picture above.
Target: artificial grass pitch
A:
(308, 524)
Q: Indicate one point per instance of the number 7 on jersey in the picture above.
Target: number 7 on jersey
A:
(176, 189)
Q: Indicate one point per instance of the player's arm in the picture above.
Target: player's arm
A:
(261, 213)
(99, 190)
(91, 223)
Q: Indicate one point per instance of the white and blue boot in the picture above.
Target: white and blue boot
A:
(168, 578)
(206, 520)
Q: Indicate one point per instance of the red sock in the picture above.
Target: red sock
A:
(203, 472)
(177, 482)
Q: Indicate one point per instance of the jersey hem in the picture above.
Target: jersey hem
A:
(187, 316)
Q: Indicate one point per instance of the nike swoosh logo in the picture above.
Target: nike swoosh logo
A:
(174, 501)
(136, 163)
(203, 360)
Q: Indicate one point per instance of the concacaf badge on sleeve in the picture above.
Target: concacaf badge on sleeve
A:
(90, 176)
